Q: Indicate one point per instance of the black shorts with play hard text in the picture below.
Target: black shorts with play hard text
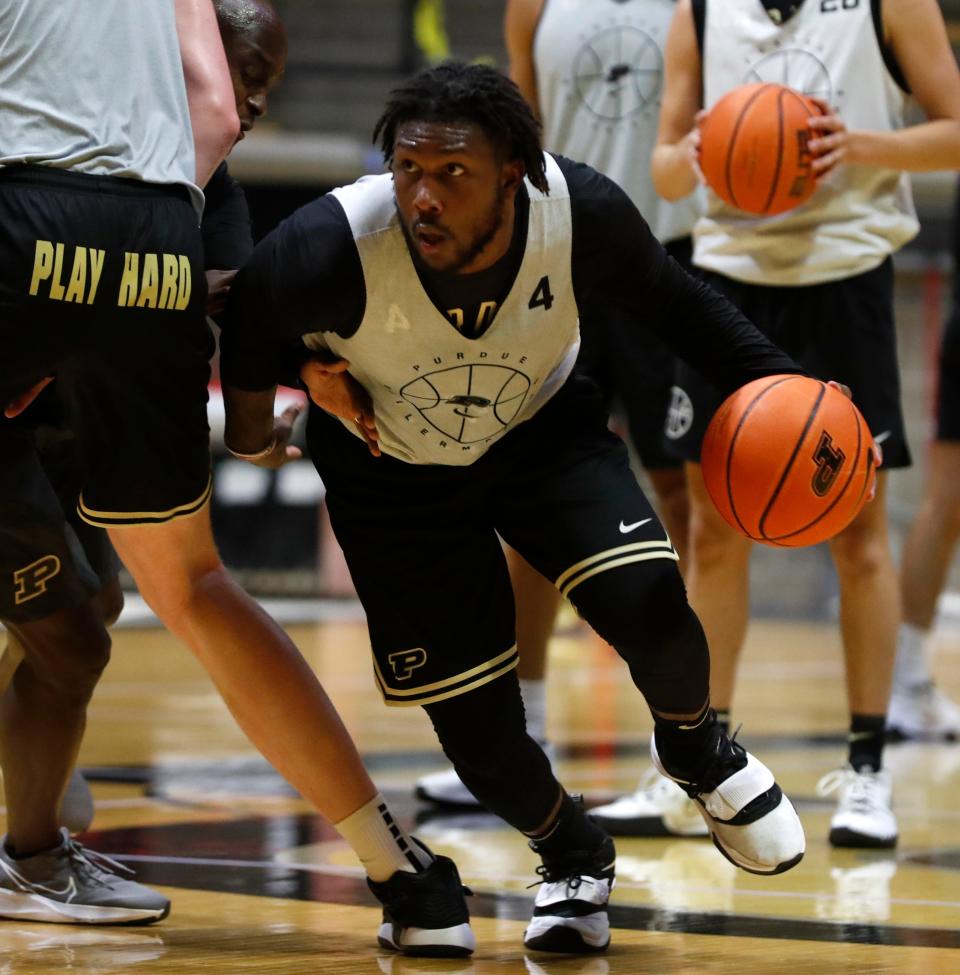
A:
(842, 330)
(102, 285)
(423, 541)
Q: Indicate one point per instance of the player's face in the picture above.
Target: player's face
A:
(256, 58)
(454, 194)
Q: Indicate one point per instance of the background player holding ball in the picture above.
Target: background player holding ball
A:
(818, 280)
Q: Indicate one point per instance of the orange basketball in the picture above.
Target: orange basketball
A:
(753, 148)
(788, 460)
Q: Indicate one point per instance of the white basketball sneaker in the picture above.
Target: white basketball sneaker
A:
(864, 817)
(658, 807)
(922, 711)
(752, 823)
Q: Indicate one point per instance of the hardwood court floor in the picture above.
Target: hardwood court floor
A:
(260, 885)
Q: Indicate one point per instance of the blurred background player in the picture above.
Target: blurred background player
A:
(593, 71)
(918, 709)
(819, 280)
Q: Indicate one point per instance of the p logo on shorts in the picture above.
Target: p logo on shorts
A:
(405, 662)
(31, 581)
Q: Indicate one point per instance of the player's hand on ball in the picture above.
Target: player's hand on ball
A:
(877, 449)
(831, 142)
(333, 389)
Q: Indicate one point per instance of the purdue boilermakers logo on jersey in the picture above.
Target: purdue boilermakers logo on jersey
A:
(31, 581)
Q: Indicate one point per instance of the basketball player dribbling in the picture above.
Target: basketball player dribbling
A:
(818, 280)
(100, 202)
(451, 286)
(592, 71)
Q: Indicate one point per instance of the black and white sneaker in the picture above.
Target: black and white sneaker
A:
(425, 913)
(570, 909)
(752, 823)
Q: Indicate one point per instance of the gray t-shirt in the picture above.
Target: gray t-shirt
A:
(95, 86)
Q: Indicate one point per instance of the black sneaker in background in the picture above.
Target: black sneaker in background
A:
(425, 914)
(570, 909)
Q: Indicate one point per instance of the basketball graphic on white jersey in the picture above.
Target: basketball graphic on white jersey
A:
(795, 67)
(468, 403)
(618, 72)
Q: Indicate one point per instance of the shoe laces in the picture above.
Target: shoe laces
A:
(859, 791)
(94, 866)
(558, 874)
(730, 757)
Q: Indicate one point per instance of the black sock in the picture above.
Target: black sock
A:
(685, 746)
(865, 741)
(723, 719)
(570, 831)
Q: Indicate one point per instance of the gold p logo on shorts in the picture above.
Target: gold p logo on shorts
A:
(405, 662)
(31, 581)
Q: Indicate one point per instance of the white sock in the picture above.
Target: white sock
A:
(534, 692)
(913, 656)
(383, 848)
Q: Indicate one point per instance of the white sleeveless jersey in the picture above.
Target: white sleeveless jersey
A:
(440, 397)
(95, 86)
(859, 214)
(599, 68)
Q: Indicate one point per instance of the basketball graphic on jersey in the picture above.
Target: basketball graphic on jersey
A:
(468, 403)
(618, 72)
(795, 67)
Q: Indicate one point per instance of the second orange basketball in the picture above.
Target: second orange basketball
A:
(754, 148)
(788, 460)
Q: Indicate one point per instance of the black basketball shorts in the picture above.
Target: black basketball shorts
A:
(634, 368)
(842, 330)
(422, 545)
(102, 285)
(948, 389)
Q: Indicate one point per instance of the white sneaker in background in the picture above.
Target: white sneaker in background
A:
(922, 711)
(864, 817)
(658, 807)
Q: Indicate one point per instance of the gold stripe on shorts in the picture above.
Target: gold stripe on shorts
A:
(613, 558)
(113, 519)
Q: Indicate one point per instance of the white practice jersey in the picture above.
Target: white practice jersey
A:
(97, 87)
(859, 214)
(439, 396)
(599, 68)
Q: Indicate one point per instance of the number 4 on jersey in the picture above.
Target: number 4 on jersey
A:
(541, 297)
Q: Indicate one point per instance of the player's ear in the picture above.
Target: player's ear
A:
(511, 175)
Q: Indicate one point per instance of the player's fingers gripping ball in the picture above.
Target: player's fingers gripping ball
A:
(788, 460)
(754, 148)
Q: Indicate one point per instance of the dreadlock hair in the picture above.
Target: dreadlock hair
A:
(458, 92)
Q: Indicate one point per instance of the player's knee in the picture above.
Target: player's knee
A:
(111, 602)
(861, 549)
(67, 654)
(636, 608)
(714, 545)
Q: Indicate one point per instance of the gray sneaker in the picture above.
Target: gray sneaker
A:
(72, 885)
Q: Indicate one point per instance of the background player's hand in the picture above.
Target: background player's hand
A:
(19, 403)
(333, 389)
(832, 141)
(218, 290)
(877, 449)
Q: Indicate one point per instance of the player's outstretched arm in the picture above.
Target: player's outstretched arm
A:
(916, 33)
(519, 28)
(674, 165)
(213, 112)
